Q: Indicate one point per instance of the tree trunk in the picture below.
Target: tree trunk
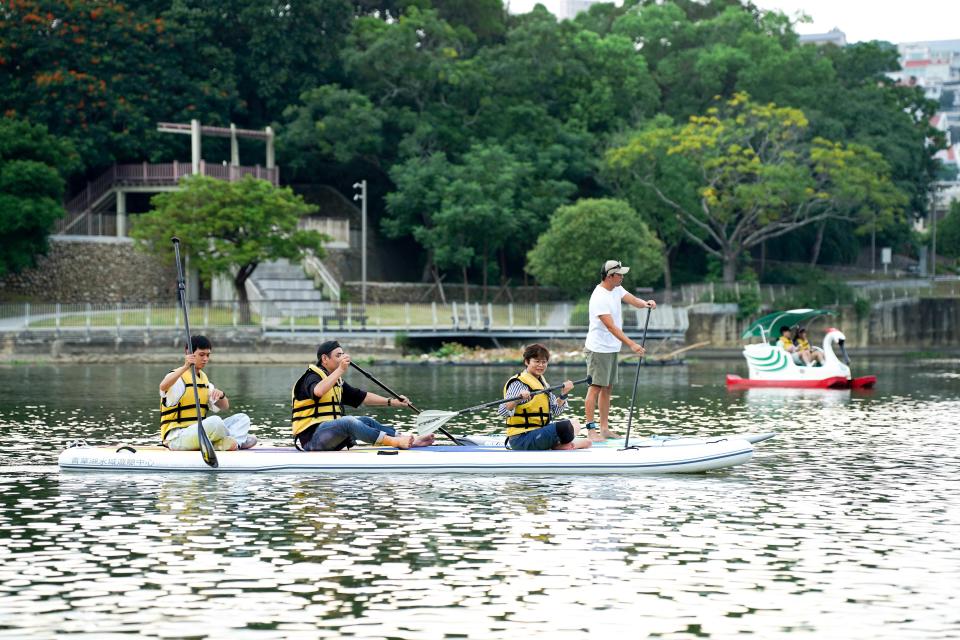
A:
(667, 276)
(240, 285)
(730, 268)
(817, 244)
(466, 287)
(486, 266)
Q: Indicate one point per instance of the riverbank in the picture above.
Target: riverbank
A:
(563, 354)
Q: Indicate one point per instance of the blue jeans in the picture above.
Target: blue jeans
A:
(541, 439)
(344, 431)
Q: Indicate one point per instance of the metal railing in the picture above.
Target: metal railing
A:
(144, 174)
(339, 317)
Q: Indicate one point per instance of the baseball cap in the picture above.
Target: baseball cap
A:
(614, 266)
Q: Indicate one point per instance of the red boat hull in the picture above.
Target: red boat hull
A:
(837, 382)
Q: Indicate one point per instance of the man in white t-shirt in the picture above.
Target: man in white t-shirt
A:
(604, 339)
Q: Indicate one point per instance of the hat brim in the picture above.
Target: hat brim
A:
(621, 271)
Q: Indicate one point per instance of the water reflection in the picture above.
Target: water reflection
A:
(842, 526)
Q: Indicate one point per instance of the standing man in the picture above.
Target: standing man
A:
(318, 419)
(604, 339)
(178, 407)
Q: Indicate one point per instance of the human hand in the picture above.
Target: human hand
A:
(189, 360)
(403, 401)
(216, 396)
(651, 304)
(637, 349)
(567, 387)
(344, 363)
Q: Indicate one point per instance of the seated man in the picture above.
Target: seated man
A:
(319, 423)
(809, 355)
(178, 407)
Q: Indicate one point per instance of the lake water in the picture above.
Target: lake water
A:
(843, 526)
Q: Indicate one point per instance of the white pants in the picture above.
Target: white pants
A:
(222, 433)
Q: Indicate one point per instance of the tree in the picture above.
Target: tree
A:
(228, 228)
(675, 177)
(468, 213)
(332, 123)
(759, 178)
(948, 232)
(101, 74)
(33, 165)
(582, 235)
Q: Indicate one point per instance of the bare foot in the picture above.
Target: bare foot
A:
(423, 441)
(400, 442)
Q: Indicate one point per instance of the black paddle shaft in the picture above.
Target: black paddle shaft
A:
(206, 447)
(397, 396)
(636, 381)
(588, 380)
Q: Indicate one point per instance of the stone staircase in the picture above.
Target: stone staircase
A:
(287, 289)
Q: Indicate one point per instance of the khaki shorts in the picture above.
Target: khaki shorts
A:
(602, 367)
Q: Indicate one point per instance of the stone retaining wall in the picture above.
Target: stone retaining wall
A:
(109, 271)
(914, 324)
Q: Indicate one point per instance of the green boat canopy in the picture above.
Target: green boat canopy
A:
(768, 327)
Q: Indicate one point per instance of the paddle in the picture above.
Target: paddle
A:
(636, 381)
(206, 447)
(432, 419)
(395, 395)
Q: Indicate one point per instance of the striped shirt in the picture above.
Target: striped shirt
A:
(515, 389)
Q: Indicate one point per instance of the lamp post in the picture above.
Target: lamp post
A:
(361, 195)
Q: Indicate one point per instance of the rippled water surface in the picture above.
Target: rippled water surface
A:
(844, 526)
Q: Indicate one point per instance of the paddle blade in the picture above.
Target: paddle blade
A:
(430, 420)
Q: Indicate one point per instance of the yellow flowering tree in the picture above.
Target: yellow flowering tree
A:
(755, 173)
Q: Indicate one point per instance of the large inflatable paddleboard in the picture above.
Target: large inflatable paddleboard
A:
(664, 456)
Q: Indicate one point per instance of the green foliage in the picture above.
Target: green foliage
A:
(402, 342)
(861, 307)
(228, 228)
(948, 232)
(744, 294)
(795, 274)
(417, 95)
(451, 350)
(33, 165)
(331, 123)
(581, 236)
(825, 291)
(758, 177)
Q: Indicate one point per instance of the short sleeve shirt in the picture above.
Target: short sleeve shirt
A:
(352, 396)
(603, 302)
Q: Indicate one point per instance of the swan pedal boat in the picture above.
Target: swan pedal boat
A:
(646, 456)
(772, 366)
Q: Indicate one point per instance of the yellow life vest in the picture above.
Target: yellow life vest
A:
(802, 344)
(534, 413)
(314, 410)
(185, 413)
(786, 343)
